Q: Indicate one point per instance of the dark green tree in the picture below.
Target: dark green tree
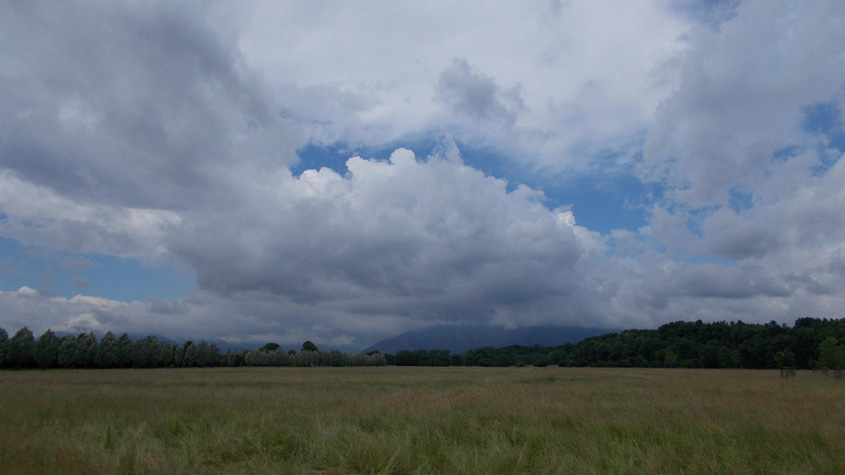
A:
(831, 355)
(269, 347)
(4, 347)
(21, 351)
(407, 358)
(470, 358)
(336, 358)
(47, 350)
(670, 360)
(217, 357)
(123, 351)
(727, 357)
(68, 353)
(503, 360)
(203, 354)
(710, 354)
(190, 358)
(308, 346)
(107, 352)
(145, 352)
(167, 353)
(178, 356)
(86, 350)
(785, 359)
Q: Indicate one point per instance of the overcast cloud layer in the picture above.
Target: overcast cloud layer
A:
(166, 132)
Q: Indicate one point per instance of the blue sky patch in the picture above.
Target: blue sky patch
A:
(600, 202)
(67, 274)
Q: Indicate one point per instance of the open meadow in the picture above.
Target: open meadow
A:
(420, 420)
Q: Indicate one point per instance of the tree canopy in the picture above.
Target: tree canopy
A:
(810, 343)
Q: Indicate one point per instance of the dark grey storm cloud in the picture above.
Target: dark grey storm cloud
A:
(476, 95)
(138, 105)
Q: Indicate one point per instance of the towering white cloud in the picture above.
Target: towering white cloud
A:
(431, 239)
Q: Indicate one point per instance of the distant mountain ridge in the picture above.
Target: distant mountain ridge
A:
(461, 338)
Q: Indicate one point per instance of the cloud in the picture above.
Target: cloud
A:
(37, 214)
(564, 75)
(749, 160)
(169, 307)
(77, 265)
(741, 96)
(477, 95)
(30, 308)
(713, 13)
(139, 106)
(244, 321)
(166, 133)
(433, 239)
(79, 282)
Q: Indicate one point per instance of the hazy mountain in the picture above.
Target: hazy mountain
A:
(460, 338)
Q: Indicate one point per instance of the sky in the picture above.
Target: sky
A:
(343, 172)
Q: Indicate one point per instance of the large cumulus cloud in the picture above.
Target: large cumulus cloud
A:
(431, 239)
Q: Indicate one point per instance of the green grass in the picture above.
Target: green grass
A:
(420, 420)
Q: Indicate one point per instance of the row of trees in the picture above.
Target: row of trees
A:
(811, 343)
(280, 357)
(85, 351)
(49, 350)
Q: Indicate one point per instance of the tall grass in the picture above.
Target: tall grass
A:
(420, 420)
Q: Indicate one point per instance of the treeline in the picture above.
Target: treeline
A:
(811, 343)
(272, 354)
(24, 351)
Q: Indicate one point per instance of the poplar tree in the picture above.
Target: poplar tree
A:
(203, 354)
(178, 356)
(4, 346)
(123, 351)
(216, 356)
(190, 358)
(47, 350)
(165, 351)
(145, 352)
(107, 352)
(67, 352)
(21, 351)
(86, 350)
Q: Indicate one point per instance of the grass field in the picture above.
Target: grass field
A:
(420, 420)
